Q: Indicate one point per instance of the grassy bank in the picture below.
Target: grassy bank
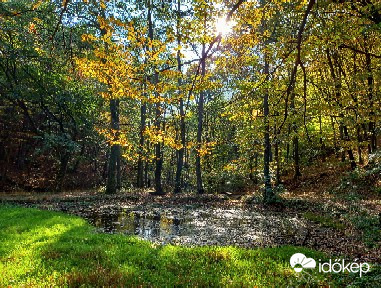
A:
(43, 248)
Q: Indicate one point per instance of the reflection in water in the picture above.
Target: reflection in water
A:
(144, 224)
(204, 226)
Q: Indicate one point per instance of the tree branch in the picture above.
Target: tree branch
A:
(299, 39)
(343, 46)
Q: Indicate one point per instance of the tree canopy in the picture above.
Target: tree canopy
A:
(157, 94)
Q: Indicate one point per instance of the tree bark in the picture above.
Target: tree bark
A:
(180, 152)
(295, 143)
(113, 176)
(334, 138)
(359, 140)
(140, 176)
(276, 152)
(64, 161)
(158, 153)
(344, 135)
(200, 115)
(372, 123)
(268, 193)
(350, 152)
(321, 142)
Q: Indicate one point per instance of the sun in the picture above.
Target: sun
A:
(223, 27)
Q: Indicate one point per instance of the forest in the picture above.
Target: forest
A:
(208, 141)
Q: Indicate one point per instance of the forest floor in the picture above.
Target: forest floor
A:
(324, 211)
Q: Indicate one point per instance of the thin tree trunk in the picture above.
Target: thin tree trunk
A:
(119, 169)
(147, 182)
(200, 115)
(349, 150)
(276, 152)
(287, 151)
(64, 161)
(253, 168)
(158, 153)
(341, 130)
(140, 176)
(322, 144)
(180, 152)
(268, 193)
(344, 135)
(78, 161)
(372, 123)
(105, 165)
(358, 126)
(359, 140)
(295, 142)
(334, 138)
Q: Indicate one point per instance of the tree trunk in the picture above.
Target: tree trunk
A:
(277, 162)
(372, 123)
(287, 151)
(113, 174)
(321, 142)
(268, 193)
(200, 114)
(334, 138)
(343, 129)
(158, 153)
(180, 152)
(147, 182)
(140, 176)
(350, 152)
(64, 161)
(359, 140)
(113, 177)
(253, 177)
(105, 165)
(295, 142)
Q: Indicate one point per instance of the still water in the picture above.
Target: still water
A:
(204, 226)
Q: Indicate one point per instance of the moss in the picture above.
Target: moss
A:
(325, 221)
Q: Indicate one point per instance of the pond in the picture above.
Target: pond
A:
(190, 221)
(200, 226)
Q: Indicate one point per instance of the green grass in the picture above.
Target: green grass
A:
(369, 227)
(50, 249)
(325, 221)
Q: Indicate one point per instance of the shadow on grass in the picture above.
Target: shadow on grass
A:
(48, 248)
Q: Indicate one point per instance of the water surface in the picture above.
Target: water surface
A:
(200, 226)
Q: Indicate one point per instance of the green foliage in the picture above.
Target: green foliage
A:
(62, 61)
(370, 228)
(374, 164)
(225, 182)
(369, 280)
(325, 221)
(359, 183)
